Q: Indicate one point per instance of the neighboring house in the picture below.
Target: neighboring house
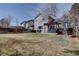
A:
(45, 23)
(28, 24)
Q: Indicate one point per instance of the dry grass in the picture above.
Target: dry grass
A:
(31, 44)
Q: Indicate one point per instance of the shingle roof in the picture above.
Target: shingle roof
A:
(27, 21)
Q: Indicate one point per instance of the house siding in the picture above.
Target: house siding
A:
(39, 21)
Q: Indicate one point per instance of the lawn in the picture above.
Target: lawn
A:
(35, 44)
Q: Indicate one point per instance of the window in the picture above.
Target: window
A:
(40, 27)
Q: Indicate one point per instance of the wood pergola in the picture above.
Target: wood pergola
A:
(54, 24)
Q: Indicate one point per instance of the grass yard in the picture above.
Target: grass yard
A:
(31, 44)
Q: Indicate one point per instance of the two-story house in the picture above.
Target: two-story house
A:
(45, 23)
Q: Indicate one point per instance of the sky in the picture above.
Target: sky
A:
(27, 11)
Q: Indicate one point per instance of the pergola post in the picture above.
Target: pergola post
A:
(76, 28)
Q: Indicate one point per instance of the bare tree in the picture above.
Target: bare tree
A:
(5, 22)
(8, 20)
(69, 19)
(50, 9)
(17, 22)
